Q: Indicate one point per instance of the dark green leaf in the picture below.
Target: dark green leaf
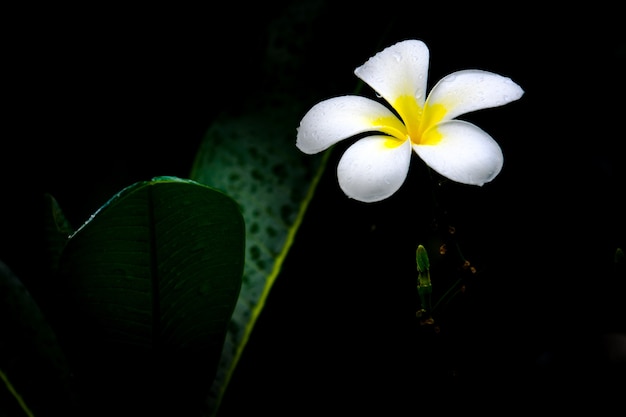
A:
(250, 154)
(33, 367)
(152, 280)
(57, 231)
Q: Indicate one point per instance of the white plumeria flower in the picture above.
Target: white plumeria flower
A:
(375, 166)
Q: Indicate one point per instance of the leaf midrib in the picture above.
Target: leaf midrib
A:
(154, 273)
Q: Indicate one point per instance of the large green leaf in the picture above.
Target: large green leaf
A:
(150, 283)
(273, 203)
(34, 373)
(249, 152)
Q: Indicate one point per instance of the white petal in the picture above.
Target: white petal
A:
(335, 119)
(465, 154)
(469, 90)
(371, 170)
(398, 70)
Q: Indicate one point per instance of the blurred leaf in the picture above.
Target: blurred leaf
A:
(34, 368)
(250, 154)
(151, 281)
(57, 231)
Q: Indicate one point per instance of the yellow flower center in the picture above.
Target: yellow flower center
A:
(418, 126)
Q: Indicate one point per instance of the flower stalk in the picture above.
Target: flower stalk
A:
(424, 285)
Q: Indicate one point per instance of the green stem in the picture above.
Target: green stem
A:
(16, 395)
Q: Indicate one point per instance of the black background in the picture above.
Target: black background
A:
(101, 98)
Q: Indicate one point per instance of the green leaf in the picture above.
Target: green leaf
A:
(250, 154)
(253, 159)
(57, 230)
(151, 281)
(34, 373)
